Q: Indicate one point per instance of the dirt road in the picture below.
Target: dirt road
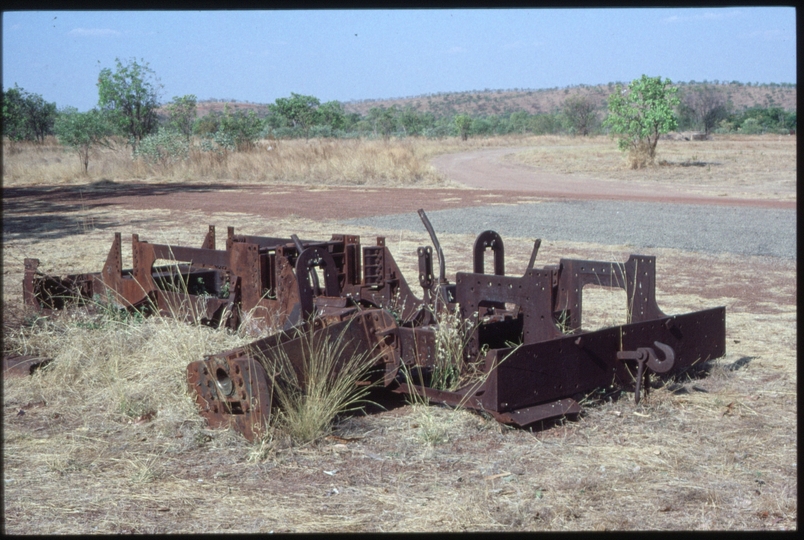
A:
(487, 169)
(47, 211)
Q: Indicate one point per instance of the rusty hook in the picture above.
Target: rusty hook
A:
(661, 366)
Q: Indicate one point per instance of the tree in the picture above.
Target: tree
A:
(207, 125)
(414, 122)
(383, 120)
(331, 114)
(299, 110)
(239, 130)
(464, 124)
(27, 116)
(518, 122)
(580, 113)
(705, 106)
(181, 114)
(130, 95)
(83, 132)
(639, 114)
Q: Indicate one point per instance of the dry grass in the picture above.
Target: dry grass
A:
(309, 401)
(314, 162)
(760, 165)
(756, 166)
(83, 452)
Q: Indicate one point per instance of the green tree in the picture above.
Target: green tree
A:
(464, 123)
(414, 122)
(181, 114)
(27, 116)
(236, 130)
(518, 122)
(639, 114)
(207, 125)
(383, 120)
(331, 114)
(301, 111)
(130, 94)
(580, 115)
(83, 132)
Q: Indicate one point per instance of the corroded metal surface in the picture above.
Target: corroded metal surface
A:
(526, 356)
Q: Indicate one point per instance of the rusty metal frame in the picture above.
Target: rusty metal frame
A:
(533, 358)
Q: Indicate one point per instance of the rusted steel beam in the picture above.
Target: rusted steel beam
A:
(527, 356)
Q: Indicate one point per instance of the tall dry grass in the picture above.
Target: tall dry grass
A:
(327, 385)
(316, 161)
(759, 164)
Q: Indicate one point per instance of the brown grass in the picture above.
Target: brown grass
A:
(83, 453)
(314, 162)
(754, 166)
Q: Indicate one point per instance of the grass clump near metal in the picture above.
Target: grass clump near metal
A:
(327, 378)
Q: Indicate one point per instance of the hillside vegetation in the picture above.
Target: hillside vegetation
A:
(485, 102)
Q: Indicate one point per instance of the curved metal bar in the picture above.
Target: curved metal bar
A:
(489, 239)
(427, 225)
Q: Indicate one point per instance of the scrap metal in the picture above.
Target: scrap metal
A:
(527, 356)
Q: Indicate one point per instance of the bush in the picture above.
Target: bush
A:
(321, 131)
(751, 126)
(240, 130)
(164, 147)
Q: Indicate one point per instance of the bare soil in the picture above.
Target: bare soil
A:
(481, 176)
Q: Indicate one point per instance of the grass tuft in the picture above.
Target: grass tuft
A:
(326, 378)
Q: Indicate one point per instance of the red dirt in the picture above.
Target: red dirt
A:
(492, 180)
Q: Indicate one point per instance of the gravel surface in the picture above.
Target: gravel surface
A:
(715, 229)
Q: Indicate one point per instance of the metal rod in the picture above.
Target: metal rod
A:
(427, 225)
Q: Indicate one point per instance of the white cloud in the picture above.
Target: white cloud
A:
(719, 15)
(93, 32)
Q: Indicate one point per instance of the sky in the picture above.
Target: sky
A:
(348, 55)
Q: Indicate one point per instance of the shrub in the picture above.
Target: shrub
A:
(164, 147)
(83, 132)
(751, 126)
(241, 130)
(641, 113)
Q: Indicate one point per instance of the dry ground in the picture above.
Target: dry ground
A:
(745, 166)
(82, 455)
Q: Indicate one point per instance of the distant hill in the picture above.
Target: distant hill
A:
(496, 102)
(493, 102)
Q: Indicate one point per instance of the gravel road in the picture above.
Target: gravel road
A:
(582, 209)
(692, 227)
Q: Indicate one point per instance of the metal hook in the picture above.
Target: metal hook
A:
(662, 366)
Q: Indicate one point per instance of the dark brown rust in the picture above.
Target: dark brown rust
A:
(22, 365)
(530, 354)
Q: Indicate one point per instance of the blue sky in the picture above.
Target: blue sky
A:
(348, 55)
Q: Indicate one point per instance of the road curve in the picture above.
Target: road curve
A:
(487, 169)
